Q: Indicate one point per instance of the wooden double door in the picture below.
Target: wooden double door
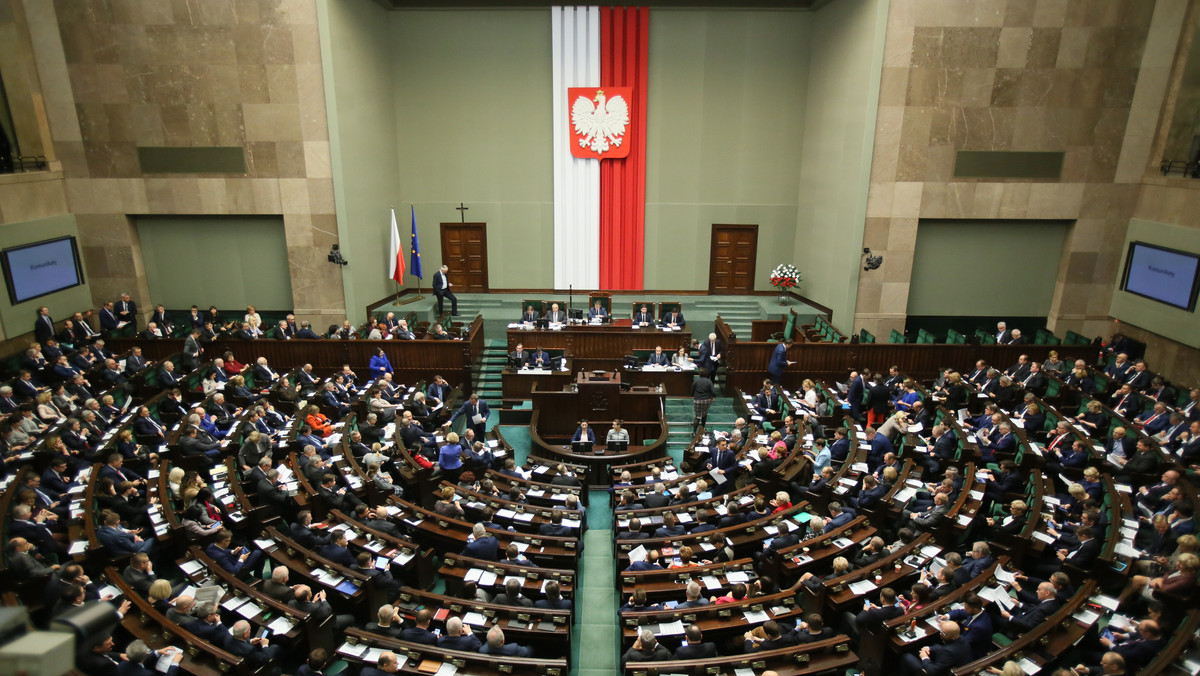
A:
(464, 249)
(732, 259)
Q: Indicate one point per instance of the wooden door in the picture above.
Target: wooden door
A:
(732, 259)
(464, 249)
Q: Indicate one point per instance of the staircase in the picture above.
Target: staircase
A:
(486, 373)
(680, 414)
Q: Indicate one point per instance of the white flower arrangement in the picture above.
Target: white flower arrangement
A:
(785, 276)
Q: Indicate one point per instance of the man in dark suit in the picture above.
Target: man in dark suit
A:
(518, 357)
(725, 462)
(1139, 378)
(1025, 617)
(976, 625)
(854, 395)
(302, 532)
(873, 615)
(337, 550)
(459, 637)
(694, 646)
(476, 411)
(643, 317)
(307, 333)
(207, 625)
(658, 357)
(254, 651)
(939, 660)
(775, 639)
(264, 375)
(420, 633)
(555, 315)
(441, 291)
(241, 561)
(43, 326)
(119, 542)
(126, 310)
(529, 316)
(711, 355)
(1003, 335)
(482, 546)
(539, 358)
(1139, 648)
(336, 497)
(673, 319)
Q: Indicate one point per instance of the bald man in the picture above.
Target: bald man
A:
(939, 660)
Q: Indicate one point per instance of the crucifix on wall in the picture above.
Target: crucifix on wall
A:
(462, 211)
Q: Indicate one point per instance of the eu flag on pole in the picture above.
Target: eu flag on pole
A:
(414, 261)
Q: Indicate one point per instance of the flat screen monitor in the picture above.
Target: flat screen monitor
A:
(1165, 275)
(582, 446)
(575, 313)
(618, 446)
(41, 268)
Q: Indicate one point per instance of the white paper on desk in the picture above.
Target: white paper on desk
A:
(916, 427)
(109, 591)
(280, 625)
(862, 587)
(1105, 602)
(372, 655)
(475, 619)
(80, 546)
(403, 558)
(756, 616)
(843, 542)
(447, 669)
(233, 603)
(860, 467)
(473, 575)
(1044, 537)
(736, 576)
(1124, 549)
(1029, 666)
(1086, 616)
(743, 671)
(191, 567)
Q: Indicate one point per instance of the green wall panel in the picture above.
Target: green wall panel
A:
(227, 261)
(983, 268)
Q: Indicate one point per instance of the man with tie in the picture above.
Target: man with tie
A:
(126, 310)
(116, 471)
(555, 315)
(119, 542)
(43, 327)
(673, 319)
(167, 378)
(441, 290)
(263, 374)
(539, 358)
(518, 357)
(134, 362)
(1125, 401)
(108, 318)
(1138, 378)
(725, 462)
(1034, 381)
(643, 317)
(976, 625)
(1176, 428)
(597, 312)
(1155, 420)
(529, 316)
(658, 357)
(145, 425)
(476, 410)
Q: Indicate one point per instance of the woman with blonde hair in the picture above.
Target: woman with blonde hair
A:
(841, 566)
(160, 592)
(894, 426)
(47, 412)
(175, 481)
(810, 392)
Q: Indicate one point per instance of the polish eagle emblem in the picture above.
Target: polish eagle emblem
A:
(599, 121)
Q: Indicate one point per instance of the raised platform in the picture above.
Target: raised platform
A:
(498, 309)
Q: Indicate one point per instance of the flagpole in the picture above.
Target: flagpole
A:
(410, 211)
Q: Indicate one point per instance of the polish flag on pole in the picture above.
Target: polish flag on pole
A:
(397, 256)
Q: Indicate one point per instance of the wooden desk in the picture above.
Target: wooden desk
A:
(517, 384)
(598, 472)
(603, 344)
(594, 397)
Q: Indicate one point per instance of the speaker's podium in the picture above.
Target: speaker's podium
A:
(599, 395)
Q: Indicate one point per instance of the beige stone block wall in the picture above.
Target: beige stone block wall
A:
(1005, 75)
(242, 73)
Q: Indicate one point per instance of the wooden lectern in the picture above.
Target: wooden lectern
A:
(599, 395)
